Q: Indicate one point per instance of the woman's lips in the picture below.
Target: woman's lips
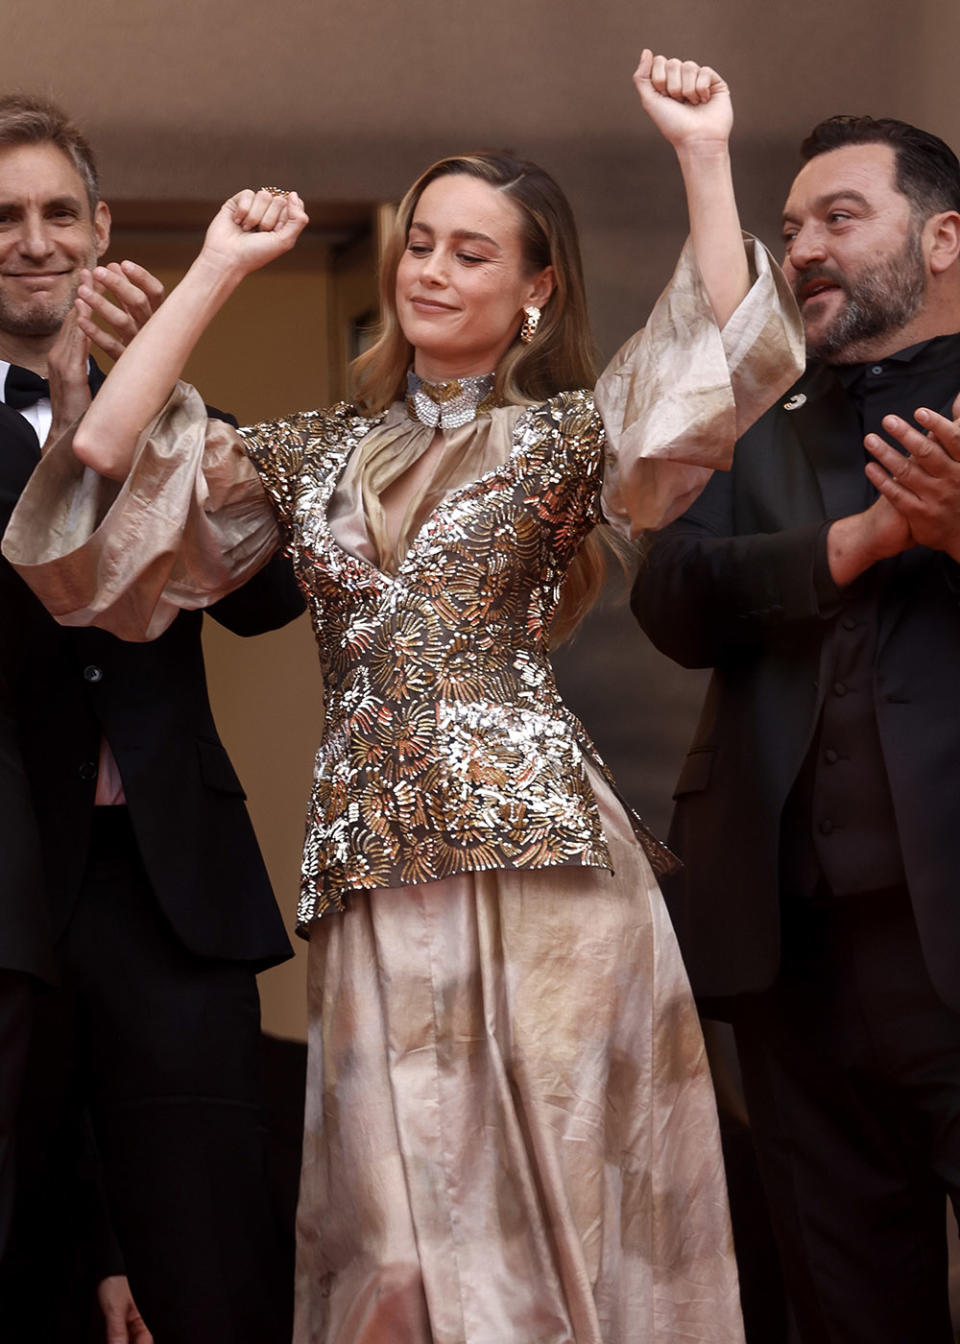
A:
(424, 305)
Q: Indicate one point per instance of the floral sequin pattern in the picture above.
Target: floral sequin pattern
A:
(446, 745)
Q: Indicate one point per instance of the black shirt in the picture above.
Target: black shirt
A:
(839, 824)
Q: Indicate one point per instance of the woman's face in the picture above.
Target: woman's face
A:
(462, 281)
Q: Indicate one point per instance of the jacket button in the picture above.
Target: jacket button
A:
(826, 828)
(88, 770)
(839, 688)
(830, 756)
(93, 673)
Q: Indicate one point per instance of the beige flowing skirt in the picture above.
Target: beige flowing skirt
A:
(510, 1134)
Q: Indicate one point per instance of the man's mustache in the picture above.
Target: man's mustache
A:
(807, 280)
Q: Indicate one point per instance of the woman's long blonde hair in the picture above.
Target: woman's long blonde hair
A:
(558, 359)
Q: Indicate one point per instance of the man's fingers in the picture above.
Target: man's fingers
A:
(933, 451)
(107, 310)
(138, 1330)
(945, 432)
(897, 464)
(111, 345)
(118, 300)
(122, 297)
(140, 297)
(115, 1320)
(144, 281)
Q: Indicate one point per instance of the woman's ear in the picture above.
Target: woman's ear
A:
(541, 287)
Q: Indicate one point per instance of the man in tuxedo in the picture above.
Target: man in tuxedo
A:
(818, 811)
(154, 888)
(25, 952)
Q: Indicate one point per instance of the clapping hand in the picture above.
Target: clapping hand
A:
(122, 296)
(922, 483)
(687, 102)
(122, 1321)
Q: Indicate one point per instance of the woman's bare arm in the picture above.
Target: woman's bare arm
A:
(690, 105)
(250, 230)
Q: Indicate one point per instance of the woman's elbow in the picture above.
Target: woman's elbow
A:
(90, 449)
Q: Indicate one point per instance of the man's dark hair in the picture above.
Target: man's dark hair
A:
(29, 120)
(927, 170)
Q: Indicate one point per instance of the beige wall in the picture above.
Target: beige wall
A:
(191, 100)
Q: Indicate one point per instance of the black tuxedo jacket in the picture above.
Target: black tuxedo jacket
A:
(25, 942)
(730, 585)
(66, 687)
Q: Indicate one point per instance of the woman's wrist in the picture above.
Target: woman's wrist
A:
(704, 156)
(215, 273)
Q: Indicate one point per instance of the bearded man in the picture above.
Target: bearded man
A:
(818, 811)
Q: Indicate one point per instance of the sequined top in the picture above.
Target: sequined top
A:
(446, 747)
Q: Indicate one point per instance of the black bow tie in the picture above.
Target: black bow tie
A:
(24, 387)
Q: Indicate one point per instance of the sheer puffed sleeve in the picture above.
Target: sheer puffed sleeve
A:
(191, 522)
(676, 397)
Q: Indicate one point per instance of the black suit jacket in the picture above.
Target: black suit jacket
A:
(25, 940)
(66, 687)
(730, 585)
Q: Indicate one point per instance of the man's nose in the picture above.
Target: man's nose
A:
(806, 248)
(36, 239)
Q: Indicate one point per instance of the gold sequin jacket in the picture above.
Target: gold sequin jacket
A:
(446, 747)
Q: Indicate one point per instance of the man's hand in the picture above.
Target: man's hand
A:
(67, 372)
(688, 103)
(123, 296)
(923, 486)
(124, 1324)
(860, 540)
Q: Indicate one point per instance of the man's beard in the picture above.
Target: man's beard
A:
(38, 316)
(878, 302)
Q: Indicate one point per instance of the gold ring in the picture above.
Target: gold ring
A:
(275, 191)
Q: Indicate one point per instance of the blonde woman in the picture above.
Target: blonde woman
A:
(510, 1130)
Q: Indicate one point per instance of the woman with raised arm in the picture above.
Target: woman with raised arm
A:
(510, 1130)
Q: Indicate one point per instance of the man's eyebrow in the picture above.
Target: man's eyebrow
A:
(829, 198)
(66, 202)
(467, 234)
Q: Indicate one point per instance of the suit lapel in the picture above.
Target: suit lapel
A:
(19, 454)
(20, 450)
(827, 424)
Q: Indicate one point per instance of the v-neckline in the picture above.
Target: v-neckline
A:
(331, 488)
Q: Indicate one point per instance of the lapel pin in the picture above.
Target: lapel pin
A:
(795, 402)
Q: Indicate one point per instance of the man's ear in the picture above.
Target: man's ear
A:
(101, 227)
(943, 240)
